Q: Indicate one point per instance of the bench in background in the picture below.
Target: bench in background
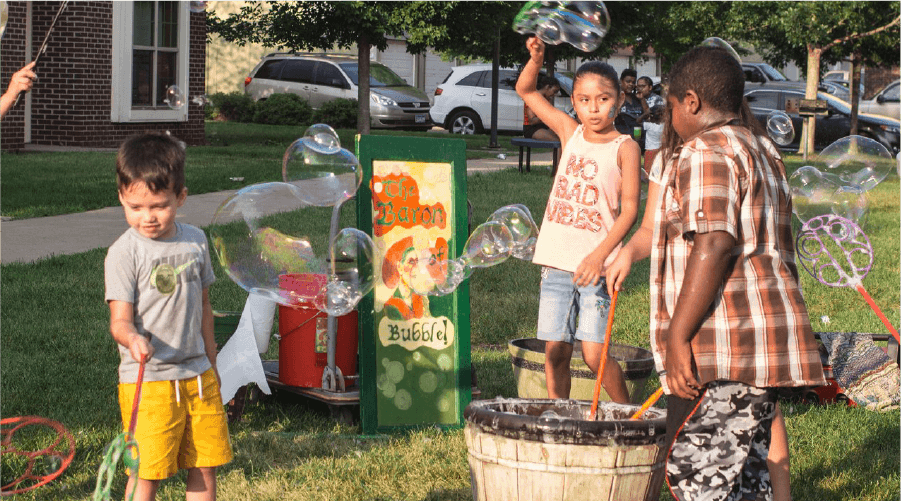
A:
(528, 144)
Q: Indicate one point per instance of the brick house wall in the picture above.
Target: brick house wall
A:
(71, 99)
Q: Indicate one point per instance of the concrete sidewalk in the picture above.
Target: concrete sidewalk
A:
(30, 240)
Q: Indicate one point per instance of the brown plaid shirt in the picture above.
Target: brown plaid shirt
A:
(757, 330)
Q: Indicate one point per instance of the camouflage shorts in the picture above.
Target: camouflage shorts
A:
(721, 443)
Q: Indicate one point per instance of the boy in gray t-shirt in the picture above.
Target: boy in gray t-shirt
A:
(157, 278)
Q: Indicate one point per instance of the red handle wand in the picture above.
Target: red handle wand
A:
(599, 383)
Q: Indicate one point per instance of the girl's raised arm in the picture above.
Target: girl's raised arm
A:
(562, 124)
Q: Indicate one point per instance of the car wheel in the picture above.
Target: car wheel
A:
(465, 122)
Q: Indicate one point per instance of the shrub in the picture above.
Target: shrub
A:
(233, 107)
(339, 113)
(283, 109)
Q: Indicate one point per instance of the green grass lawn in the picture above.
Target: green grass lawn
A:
(47, 184)
(59, 362)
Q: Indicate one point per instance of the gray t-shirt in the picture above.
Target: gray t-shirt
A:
(164, 280)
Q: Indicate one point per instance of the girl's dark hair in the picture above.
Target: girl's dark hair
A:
(600, 69)
(648, 80)
(628, 72)
(157, 160)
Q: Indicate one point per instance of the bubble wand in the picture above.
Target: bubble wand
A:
(117, 449)
(822, 265)
(43, 47)
(60, 453)
(648, 403)
(597, 385)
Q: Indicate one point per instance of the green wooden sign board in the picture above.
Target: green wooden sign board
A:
(414, 347)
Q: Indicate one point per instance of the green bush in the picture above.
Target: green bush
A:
(283, 109)
(232, 107)
(339, 113)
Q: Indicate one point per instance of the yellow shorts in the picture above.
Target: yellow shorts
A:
(177, 430)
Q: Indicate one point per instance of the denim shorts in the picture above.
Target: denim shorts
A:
(561, 302)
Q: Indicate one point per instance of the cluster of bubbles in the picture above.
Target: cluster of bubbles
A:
(578, 23)
(176, 98)
(839, 178)
(265, 235)
(780, 128)
(509, 232)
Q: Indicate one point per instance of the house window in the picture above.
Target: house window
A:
(151, 51)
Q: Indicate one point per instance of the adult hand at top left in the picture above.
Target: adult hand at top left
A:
(22, 80)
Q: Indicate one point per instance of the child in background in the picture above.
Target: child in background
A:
(157, 278)
(728, 323)
(651, 119)
(592, 206)
(534, 128)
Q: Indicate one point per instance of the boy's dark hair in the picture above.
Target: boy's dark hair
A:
(157, 160)
(713, 74)
(628, 72)
(600, 69)
(546, 81)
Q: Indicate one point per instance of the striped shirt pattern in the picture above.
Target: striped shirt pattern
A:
(757, 331)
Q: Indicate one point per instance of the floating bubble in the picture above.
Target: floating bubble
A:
(580, 24)
(855, 161)
(852, 203)
(198, 6)
(489, 244)
(271, 242)
(812, 193)
(721, 44)
(175, 97)
(350, 278)
(779, 127)
(4, 16)
(518, 220)
(200, 100)
(327, 173)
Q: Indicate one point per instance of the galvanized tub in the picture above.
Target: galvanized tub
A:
(527, 358)
(518, 452)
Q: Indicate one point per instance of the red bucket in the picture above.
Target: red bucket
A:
(303, 345)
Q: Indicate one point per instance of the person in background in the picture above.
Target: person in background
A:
(630, 109)
(534, 128)
(651, 119)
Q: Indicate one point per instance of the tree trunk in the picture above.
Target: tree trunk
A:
(855, 89)
(363, 117)
(813, 80)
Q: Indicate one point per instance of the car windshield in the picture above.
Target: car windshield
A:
(379, 75)
(773, 73)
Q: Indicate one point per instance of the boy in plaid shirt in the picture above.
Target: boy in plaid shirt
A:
(728, 322)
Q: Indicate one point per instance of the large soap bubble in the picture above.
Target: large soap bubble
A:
(852, 203)
(175, 97)
(326, 173)
(264, 238)
(350, 278)
(518, 220)
(780, 128)
(721, 44)
(855, 161)
(489, 244)
(812, 193)
(4, 16)
(580, 24)
(198, 6)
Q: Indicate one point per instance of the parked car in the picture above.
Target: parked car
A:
(884, 103)
(761, 73)
(839, 88)
(832, 126)
(320, 78)
(463, 99)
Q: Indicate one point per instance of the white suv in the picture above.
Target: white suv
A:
(463, 99)
(319, 78)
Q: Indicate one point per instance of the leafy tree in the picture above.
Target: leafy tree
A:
(810, 33)
(306, 26)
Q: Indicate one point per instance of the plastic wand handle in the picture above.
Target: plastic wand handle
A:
(599, 383)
